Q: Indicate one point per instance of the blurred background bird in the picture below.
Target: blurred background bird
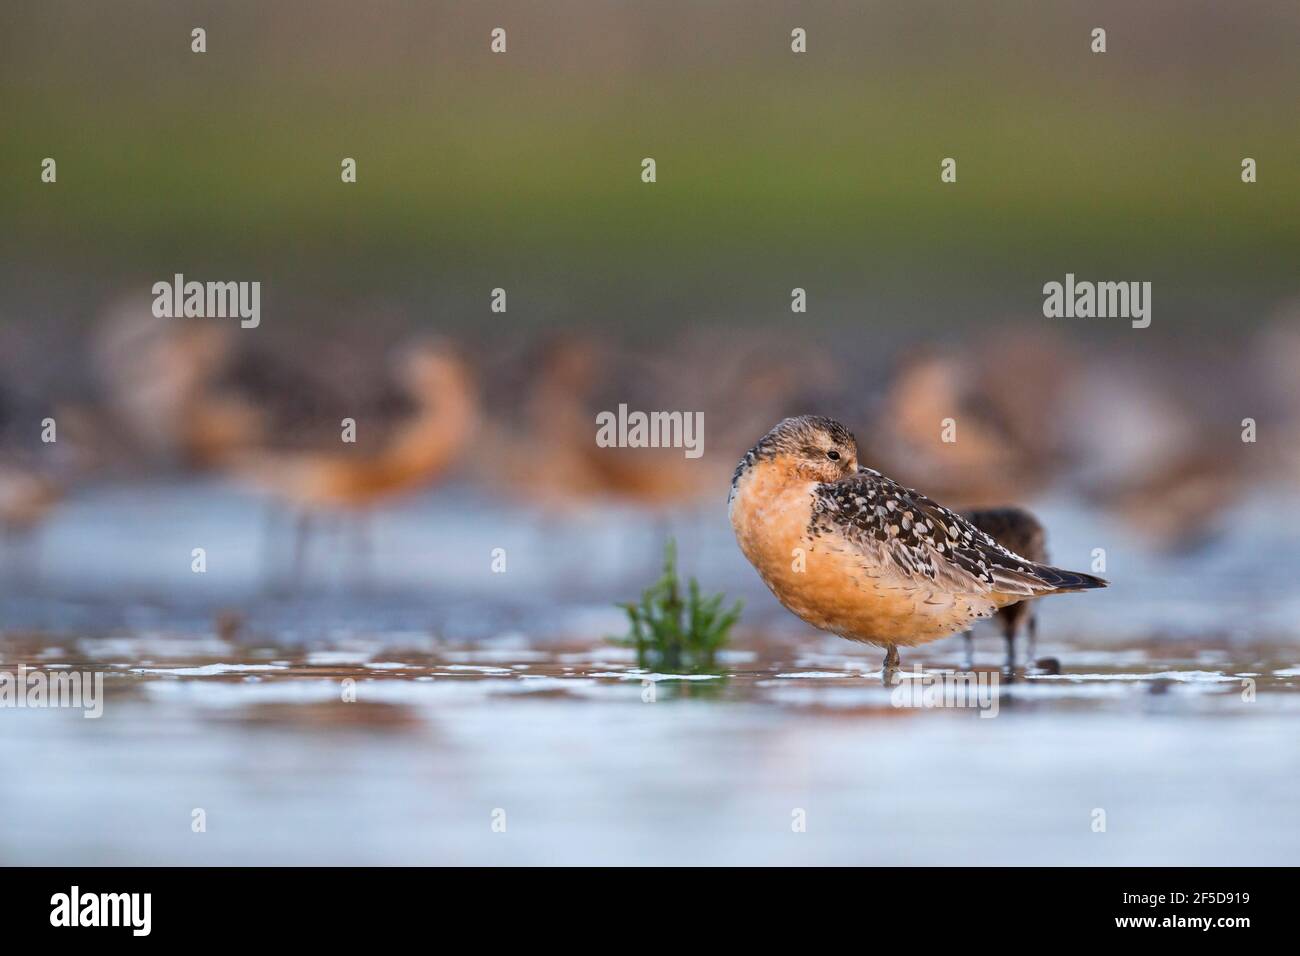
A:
(26, 498)
(164, 403)
(342, 486)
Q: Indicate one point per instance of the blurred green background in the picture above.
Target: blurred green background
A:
(774, 169)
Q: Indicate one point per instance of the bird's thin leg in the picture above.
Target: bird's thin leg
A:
(302, 539)
(23, 559)
(1033, 640)
(272, 569)
(35, 554)
(889, 673)
(363, 554)
(1010, 666)
(9, 548)
(970, 650)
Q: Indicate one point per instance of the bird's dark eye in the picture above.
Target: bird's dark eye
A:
(833, 455)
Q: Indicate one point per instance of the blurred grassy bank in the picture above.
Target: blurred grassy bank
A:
(774, 170)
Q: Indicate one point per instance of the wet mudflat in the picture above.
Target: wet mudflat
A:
(376, 750)
(438, 712)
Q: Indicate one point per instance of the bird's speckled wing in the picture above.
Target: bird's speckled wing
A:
(920, 538)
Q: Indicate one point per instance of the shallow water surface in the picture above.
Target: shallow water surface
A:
(509, 752)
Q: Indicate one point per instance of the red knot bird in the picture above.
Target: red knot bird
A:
(852, 552)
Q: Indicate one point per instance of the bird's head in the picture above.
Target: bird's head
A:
(813, 447)
(430, 367)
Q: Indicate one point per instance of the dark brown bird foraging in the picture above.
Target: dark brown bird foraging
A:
(1019, 531)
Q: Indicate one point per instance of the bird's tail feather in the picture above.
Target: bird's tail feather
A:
(1061, 580)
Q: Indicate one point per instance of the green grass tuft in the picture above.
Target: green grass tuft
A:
(673, 634)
